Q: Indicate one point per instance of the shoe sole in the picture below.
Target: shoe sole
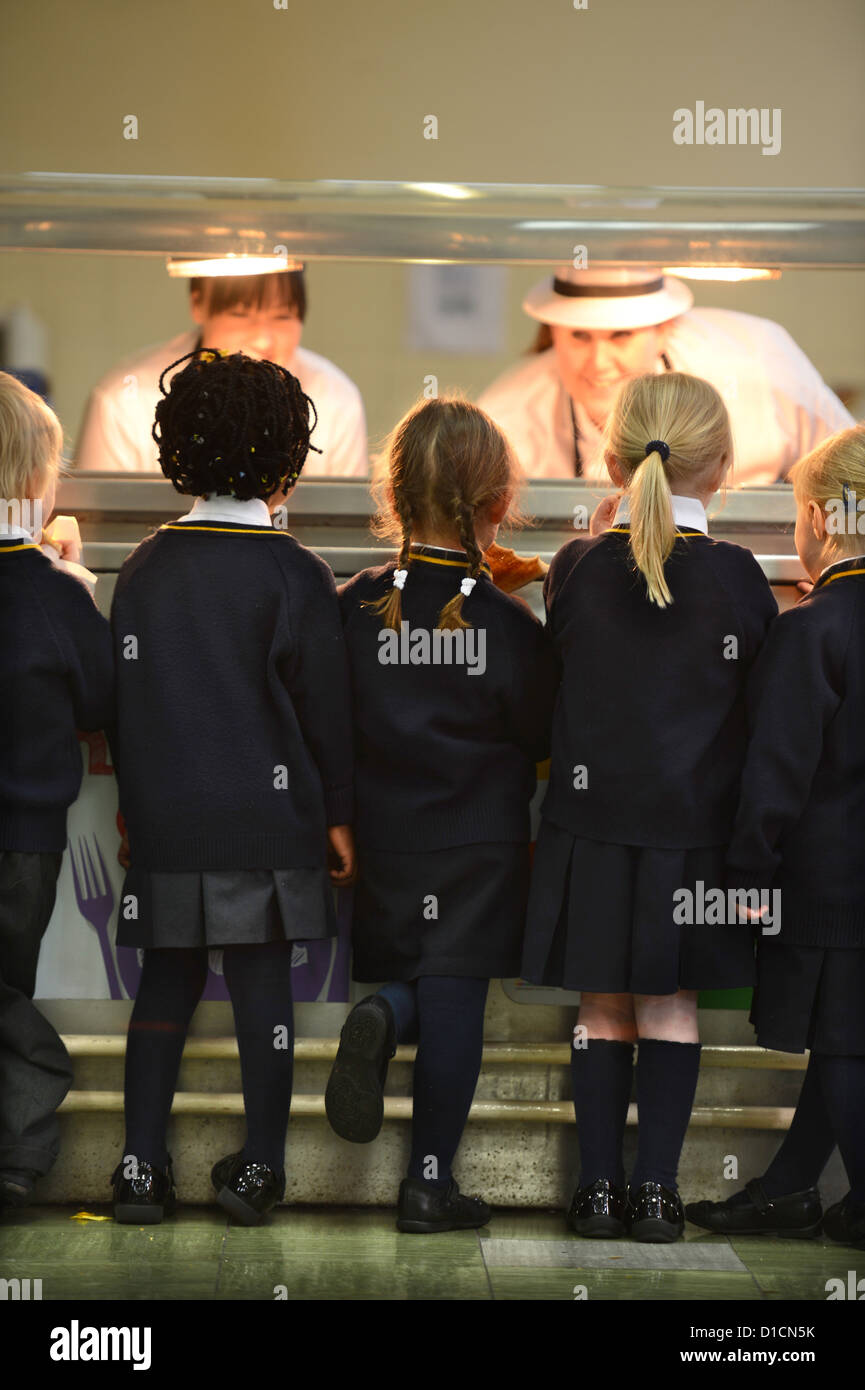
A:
(793, 1232)
(599, 1227)
(431, 1228)
(240, 1210)
(353, 1100)
(654, 1232)
(128, 1214)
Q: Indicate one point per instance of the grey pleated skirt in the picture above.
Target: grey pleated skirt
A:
(234, 907)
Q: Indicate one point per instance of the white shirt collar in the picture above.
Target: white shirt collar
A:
(253, 511)
(687, 511)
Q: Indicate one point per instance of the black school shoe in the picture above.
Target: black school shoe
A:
(16, 1186)
(845, 1223)
(145, 1199)
(601, 1209)
(752, 1213)
(247, 1191)
(657, 1215)
(354, 1099)
(424, 1209)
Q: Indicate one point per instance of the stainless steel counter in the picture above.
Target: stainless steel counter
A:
(116, 510)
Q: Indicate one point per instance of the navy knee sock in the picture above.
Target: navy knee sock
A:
(602, 1074)
(450, 1046)
(172, 982)
(842, 1082)
(807, 1145)
(401, 995)
(258, 978)
(666, 1081)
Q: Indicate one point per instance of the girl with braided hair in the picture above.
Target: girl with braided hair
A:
(233, 756)
(453, 684)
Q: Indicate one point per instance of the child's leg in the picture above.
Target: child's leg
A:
(668, 1063)
(450, 1046)
(258, 978)
(602, 1064)
(401, 995)
(842, 1082)
(807, 1145)
(35, 1070)
(172, 982)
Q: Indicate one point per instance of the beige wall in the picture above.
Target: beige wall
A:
(525, 92)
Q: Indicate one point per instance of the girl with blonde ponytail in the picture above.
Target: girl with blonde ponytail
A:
(453, 683)
(656, 627)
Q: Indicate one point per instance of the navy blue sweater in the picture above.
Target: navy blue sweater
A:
(445, 757)
(233, 745)
(800, 825)
(650, 721)
(56, 676)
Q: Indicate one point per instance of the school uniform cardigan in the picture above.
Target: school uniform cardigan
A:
(649, 732)
(56, 676)
(233, 746)
(800, 825)
(445, 757)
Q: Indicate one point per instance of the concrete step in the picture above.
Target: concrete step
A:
(519, 1149)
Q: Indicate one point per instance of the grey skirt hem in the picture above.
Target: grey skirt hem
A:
(234, 907)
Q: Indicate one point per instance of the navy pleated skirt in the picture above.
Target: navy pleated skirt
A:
(601, 919)
(810, 997)
(458, 911)
(235, 907)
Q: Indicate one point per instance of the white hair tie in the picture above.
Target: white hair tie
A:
(467, 586)
(399, 578)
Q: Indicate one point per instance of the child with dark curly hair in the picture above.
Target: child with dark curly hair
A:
(234, 764)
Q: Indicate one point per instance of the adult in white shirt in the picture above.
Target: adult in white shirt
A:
(260, 315)
(601, 327)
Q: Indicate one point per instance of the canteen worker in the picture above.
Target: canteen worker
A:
(261, 316)
(598, 328)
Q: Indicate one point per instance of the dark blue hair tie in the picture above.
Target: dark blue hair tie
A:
(657, 446)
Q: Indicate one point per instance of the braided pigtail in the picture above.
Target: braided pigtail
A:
(451, 615)
(389, 607)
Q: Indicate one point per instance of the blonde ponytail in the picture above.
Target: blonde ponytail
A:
(666, 431)
(653, 532)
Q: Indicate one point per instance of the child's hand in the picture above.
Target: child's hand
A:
(602, 516)
(751, 914)
(804, 586)
(123, 852)
(63, 535)
(341, 860)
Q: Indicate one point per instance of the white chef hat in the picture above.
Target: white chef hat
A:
(627, 297)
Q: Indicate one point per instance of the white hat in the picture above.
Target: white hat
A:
(611, 298)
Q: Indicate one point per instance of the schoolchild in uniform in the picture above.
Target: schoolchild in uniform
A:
(800, 831)
(56, 676)
(233, 755)
(453, 685)
(656, 626)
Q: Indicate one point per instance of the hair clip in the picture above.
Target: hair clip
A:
(399, 578)
(845, 493)
(467, 585)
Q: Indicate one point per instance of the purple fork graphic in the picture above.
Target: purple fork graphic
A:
(95, 898)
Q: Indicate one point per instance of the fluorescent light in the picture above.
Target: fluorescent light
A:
(722, 272)
(186, 266)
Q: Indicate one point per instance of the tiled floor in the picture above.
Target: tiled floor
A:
(327, 1253)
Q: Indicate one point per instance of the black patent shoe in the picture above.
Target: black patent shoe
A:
(845, 1223)
(146, 1198)
(600, 1210)
(354, 1099)
(752, 1213)
(657, 1215)
(247, 1191)
(424, 1209)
